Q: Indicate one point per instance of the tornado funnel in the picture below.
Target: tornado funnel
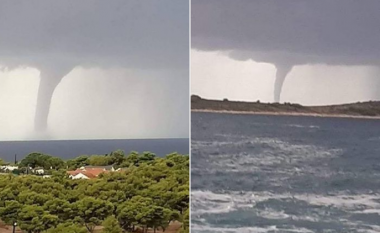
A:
(50, 77)
(282, 70)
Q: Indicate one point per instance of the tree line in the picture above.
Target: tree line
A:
(149, 192)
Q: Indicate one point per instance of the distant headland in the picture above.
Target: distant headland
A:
(370, 109)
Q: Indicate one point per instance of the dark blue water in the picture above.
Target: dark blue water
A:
(254, 173)
(67, 149)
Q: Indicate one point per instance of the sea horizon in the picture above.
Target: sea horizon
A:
(67, 149)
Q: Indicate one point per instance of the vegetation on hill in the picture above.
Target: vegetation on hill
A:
(49, 163)
(150, 192)
(371, 108)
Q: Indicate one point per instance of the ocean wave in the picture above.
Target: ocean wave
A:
(299, 209)
(303, 126)
(209, 202)
(269, 229)
(308, 174)
(258, 154)
(360, 203)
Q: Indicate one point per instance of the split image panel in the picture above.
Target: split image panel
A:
(94, 116)
(284, 123)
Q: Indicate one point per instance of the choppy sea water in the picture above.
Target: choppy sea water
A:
(253, 173)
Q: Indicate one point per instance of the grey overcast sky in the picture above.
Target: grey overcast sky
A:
(329, 51)
(94, 69)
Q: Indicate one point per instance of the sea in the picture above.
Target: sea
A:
(68, 149)
(258, 173)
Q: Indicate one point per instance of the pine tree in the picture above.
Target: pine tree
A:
(111, 225)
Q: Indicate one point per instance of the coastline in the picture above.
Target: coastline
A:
(286, 114)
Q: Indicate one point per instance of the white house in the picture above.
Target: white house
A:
(79, 176)
(105, 168)
(39, 171)
(8, 168)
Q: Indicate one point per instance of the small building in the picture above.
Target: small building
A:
(8, 168)
(86, 173)
(105, 168)
(39, 171)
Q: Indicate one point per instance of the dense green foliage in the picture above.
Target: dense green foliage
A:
(111, 225)
(185, 222)
(34, 160)
(149, 192)
(116, 158)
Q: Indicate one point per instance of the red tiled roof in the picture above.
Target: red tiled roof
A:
(89, 175)
(89, 172)
(94, 171)
(73, 173)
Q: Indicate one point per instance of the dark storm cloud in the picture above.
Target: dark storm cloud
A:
(57, 36)
(133, 33)
(289, 32)
(292, 31)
